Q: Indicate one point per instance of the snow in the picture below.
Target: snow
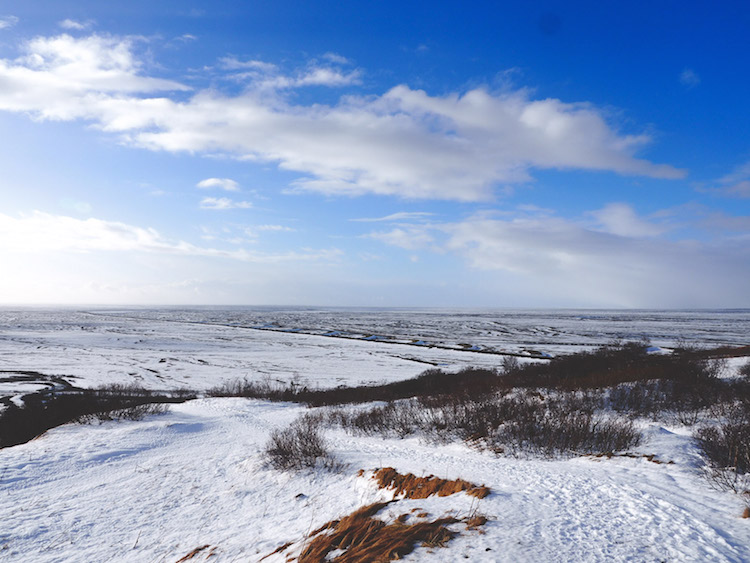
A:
(92, 350)
(156, 489)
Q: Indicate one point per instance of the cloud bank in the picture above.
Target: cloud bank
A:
(614, 262)
(404, 142)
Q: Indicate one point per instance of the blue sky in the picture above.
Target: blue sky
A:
(574, 154)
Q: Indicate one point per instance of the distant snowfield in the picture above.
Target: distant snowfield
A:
(200, 348)
(155, 490)
(91, 350)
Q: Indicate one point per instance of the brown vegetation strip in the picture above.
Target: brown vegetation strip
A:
(364, 538)
(360, 536)
(415, 487)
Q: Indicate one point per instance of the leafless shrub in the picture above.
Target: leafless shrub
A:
(134, 413)
(727, 449)
(524, 421)
(300, 446)
(554, 432)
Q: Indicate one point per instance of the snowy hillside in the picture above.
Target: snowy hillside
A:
(196, 482)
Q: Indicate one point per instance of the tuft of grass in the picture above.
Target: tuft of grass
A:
(413, 487)
(361, 537)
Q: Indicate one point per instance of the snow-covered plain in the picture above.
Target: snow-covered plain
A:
(156, 489)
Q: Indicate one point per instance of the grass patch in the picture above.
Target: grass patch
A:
(413, 487)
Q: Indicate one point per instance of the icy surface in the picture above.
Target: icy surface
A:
(157, 489)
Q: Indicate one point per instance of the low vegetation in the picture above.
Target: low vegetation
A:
(48, 409)
(581, 404)
(299, 446)
(361, 536)
(413, 487)
(726, 446)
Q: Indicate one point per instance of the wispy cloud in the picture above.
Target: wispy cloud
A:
(336, 59)
(589, 265)
(394, 217)
(405, 142)
(75, 25)
(233, 63)
(621, 219)
(689, 78)
(8, 21)
(223, 203)
(221, 183)
(409, 238)
(43, 232)
(275, 228)
(735, 184)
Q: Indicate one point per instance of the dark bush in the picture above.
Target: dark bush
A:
(525, 421)
(299, 446)
(48, 409)
(727, 448)
(136, 412)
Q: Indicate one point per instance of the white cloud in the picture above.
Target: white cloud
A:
(75, 25)
(620, 219)
(40, 232)
(400, 216)
(736, 184)
(276, 228)
(554, 260)
(322, 76)
(8, 21)
(91, 78)
(223, 203)
(221, 183)
(689, 78)
(336, 59)
(410, 238)
(740, 189)
(233, 63)
(405, 142)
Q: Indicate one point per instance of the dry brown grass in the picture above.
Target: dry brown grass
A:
(746, 512)
(360, 536)
(415, 487)
(195, 552)
(475, 522)
(365, 538)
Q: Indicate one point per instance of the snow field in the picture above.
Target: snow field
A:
(155, 490)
